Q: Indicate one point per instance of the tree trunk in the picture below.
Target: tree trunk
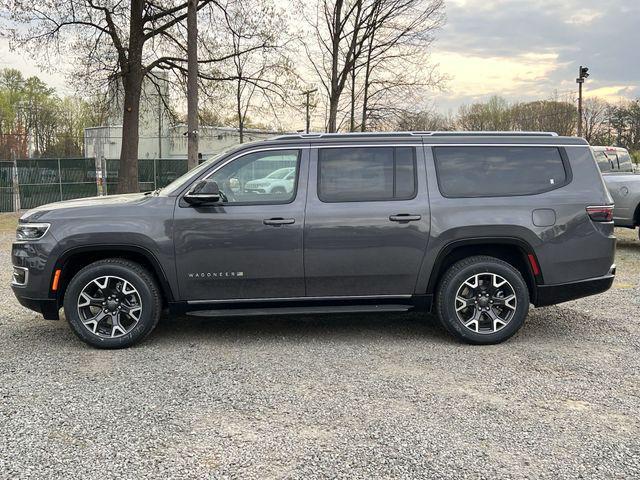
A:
(192, 83)
(334, 94)
(365, 93)
(128, 172)
(239, 109)
(352, 118)
(132, 76)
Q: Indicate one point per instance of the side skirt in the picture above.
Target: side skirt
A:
(298, 306)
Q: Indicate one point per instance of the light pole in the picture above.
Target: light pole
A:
(583, 73)
(308, 118)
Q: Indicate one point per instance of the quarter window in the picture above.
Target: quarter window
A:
(498, 171)
(360, 174)
(261, 177)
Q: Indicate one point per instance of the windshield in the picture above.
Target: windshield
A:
(280, 173)
(191, 174)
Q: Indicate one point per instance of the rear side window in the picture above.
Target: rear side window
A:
(604, 162)
(498, 171)
(361, 174)
(624, 160)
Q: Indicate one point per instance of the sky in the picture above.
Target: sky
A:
(519, 49)
(528, 49)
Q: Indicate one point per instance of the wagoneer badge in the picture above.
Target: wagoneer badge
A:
(216, 274)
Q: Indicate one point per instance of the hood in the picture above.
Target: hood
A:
(88, 203)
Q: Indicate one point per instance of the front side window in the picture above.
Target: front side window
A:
(360, 174)
(260, 177)
(498, 171)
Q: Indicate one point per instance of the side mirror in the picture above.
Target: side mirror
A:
(205, 191)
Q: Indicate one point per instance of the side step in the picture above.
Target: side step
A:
(247, 312)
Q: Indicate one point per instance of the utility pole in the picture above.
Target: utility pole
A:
(583, 73)
(192, 84)
(308, 93)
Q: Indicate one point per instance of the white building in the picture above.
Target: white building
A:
(158, 137)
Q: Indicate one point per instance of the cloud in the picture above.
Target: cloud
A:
(525, 48)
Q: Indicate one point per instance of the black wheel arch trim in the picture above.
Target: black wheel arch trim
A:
(524, 246)
(159, 272)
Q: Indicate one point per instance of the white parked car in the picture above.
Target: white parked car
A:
(278, 181)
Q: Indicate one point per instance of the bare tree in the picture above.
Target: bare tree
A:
(339, 31)
(121, 41)
(396, 51)
(594, 118)
(255, 40)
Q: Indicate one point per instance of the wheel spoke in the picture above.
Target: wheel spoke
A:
(92, 323)
(462, 303)
(473, 282)
(127, 288)
(509, 302)
(102, 285)
(87, 300)
(474, 321)
(496, 319)
(116, 325)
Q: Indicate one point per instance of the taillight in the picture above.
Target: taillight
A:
(601, 214)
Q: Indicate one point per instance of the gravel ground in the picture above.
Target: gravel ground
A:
(342, 396)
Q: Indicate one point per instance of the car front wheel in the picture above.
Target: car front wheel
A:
(112, 303)
(482, 300)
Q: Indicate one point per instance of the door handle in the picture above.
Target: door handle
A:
(405, 217)
(276, 222)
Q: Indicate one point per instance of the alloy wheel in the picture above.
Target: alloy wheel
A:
(109, 306)
(485, 303)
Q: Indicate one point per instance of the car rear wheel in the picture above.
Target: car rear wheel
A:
(482, 300)
(112, 303)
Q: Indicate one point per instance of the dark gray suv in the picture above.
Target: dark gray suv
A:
(475, 227)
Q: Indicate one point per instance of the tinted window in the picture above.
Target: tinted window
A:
(366, 174)
(604, 162)
(261, 177)
(624, 159)
(498, 171)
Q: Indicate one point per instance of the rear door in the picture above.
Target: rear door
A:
(367, 220)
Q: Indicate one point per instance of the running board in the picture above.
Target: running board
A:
(247, 312)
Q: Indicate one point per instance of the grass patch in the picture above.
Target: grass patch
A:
(8, 222)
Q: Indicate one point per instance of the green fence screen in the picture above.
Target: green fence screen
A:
(152, 173)
(47, 180)
(6, 187)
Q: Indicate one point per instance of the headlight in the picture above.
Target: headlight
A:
(31, 231)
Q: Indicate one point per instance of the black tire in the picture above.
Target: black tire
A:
(278, 190)
(454, 279)
(117, 269)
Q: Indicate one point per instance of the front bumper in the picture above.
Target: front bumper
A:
(47, 307)
(553, 294)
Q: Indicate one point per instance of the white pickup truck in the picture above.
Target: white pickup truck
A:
(623, 184)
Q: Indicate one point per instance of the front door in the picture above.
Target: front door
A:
(250, 245)
(367, 221)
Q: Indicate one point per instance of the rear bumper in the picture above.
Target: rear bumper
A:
(553, 294)
(47, 307)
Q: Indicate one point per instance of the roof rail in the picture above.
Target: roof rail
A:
(488, 134)
(410, 134)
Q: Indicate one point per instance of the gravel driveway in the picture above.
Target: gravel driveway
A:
(341, 396)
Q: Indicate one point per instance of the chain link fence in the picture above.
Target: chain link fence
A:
(29, 183)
